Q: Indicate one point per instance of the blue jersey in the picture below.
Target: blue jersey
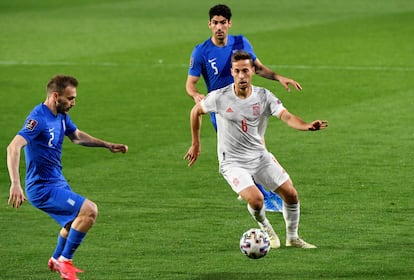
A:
(214, 63)
(44, 133)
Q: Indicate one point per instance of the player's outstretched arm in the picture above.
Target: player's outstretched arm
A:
(267, 73)
(285, 82)
(118, 148)
(318, 125)
(297, 123)
(82, 138)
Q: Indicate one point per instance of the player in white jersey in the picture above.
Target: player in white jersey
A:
(242, 112)
(212, 60)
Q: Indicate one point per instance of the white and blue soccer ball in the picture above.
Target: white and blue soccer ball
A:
(255, 243)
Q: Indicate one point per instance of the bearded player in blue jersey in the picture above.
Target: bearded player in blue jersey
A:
(212, 60)
(46, 188)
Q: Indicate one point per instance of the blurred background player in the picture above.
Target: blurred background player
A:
(243, 111)
(211, 60)
(42, 138)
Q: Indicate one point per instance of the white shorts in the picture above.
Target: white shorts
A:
(267, 172)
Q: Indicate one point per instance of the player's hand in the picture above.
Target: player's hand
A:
(16, 196)
(116, 148)
(198, 97)
(192, 154)
(285, 82)
(318, 125)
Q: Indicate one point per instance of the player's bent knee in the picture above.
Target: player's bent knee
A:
(256, 202)
(94, 210)
(89, 209)
(288, 193)
(253, 197)
(291, 198)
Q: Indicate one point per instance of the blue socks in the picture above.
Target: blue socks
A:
(59, 247)
(72, 243)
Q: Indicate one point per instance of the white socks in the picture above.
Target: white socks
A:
(291, 214)
(258, 215)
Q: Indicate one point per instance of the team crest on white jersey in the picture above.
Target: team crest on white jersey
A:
(256, 110)
(31, 124)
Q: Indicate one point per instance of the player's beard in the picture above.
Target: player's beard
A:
(62, 109)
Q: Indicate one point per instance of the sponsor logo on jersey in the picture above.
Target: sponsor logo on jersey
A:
(229, 110)
(31, 124)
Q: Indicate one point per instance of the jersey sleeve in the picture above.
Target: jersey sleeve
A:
(33, 125)
(276, 105)
(70, 126)
(249, 48)
(209, 102)
(196, 62)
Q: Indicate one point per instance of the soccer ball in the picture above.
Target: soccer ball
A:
(255, 243)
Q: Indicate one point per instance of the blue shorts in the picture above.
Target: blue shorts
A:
(58, 201)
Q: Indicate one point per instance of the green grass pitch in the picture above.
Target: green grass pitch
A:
(159, 219)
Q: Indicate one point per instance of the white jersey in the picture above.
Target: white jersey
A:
(241, 123)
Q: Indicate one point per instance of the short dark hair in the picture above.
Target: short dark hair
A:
(58, 83)
(241, 55)
(220, 10)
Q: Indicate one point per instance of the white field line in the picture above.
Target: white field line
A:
(161, 63)
(55, 63)
(347, 68)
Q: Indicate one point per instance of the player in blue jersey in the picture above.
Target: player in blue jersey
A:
(46, 188)
(212, 60)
